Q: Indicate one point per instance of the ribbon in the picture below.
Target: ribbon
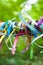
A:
(37, 39)
(2, 37)
(14, 45)
(28, 25)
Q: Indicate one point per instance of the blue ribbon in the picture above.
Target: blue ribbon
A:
(34, 31)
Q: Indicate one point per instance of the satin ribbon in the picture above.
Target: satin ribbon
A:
(33, 30)
(16, 40)
(2, 37)
(14, 45)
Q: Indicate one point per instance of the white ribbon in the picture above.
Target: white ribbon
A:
(37, 39)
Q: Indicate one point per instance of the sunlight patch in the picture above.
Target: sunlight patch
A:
(15, 13)
(14, 0)
(6, 2)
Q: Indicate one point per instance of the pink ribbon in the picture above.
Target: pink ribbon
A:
(16, 40)
(14, 46)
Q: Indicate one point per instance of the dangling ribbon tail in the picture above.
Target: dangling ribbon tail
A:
(37, 39)
(14, 46)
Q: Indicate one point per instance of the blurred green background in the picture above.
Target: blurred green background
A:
(9, 9)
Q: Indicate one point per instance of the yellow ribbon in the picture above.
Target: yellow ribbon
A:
(2, 37)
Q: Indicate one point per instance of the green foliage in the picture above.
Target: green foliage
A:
(9, 9)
